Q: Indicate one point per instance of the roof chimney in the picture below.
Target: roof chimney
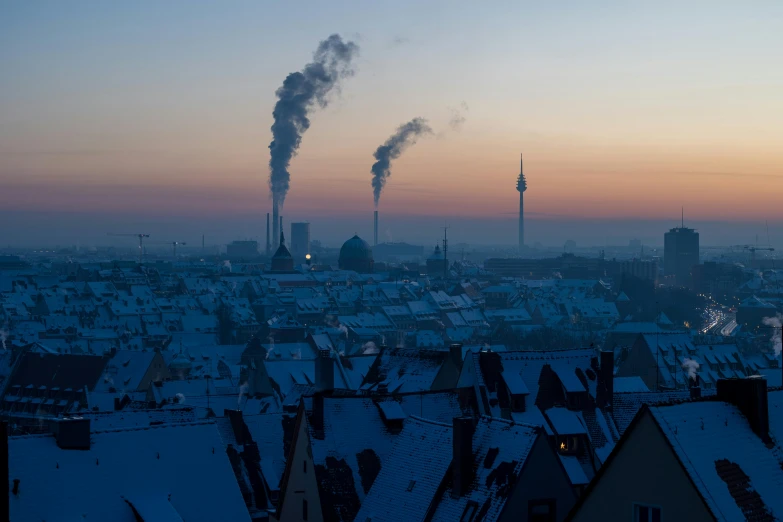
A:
(606, 373)
(324, 371)
(462, 459)
(455, 351)
(72, 433)
(237, 425)
(750, 397)
(694, 384)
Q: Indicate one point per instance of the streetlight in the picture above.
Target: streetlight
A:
(307, 257)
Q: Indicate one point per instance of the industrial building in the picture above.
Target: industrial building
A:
(300, 240)
(680, 254)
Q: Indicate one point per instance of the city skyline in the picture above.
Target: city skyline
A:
(168, 114)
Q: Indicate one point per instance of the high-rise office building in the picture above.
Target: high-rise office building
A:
(300, 240)
(680, 254)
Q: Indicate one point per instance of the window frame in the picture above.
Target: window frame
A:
(635, 506)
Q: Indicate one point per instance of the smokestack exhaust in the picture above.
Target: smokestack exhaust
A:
(375, 229)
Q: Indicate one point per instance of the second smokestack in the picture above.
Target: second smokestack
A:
(375, 229)
(268, 244)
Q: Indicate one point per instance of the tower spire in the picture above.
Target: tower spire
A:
(521, 169)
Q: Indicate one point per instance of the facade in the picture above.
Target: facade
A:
(697, 461)
(680, 254)
(643, 269)
(300, 240)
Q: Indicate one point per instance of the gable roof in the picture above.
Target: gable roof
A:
(500, 449)
(350, 445)
(738, 476)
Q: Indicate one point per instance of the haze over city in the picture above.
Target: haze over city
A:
(157, 116)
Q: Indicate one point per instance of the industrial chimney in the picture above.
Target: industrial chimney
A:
(268, 244)
(276, 224)
(375, 229)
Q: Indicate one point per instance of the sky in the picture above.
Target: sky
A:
(157, 114)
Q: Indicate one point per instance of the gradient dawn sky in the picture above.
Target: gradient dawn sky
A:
(114, 114)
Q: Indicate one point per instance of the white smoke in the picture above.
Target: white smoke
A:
(271, 346)
(297, 354)
(690, 366)
(242, 392)
(227, 264)
(3, 338)
(180, 398)
(343, 330)
(369, 348)
(776, 324)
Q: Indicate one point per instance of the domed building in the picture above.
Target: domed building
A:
(282, 261)
(356, 255)
(180, 366)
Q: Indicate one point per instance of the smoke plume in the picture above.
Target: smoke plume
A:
(776, 324)
(406, 135)
(242, 392)
(369, 348)
(457, 119)
(296, 98)
(690, 366)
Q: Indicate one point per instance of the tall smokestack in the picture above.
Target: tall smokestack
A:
(521, 187)
(301, 93)
(268, 244)
(276, 225)
(375, 229)
(282, 239)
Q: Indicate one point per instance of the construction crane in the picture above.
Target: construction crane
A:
(753, 249)
(141, 243)
(174, 245)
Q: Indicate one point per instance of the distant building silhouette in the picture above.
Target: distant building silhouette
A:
(680, 254)
(300, 240)
(356, 255)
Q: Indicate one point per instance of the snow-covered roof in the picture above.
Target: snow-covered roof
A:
(633, 384)
(716, 446)
(500, 449)
(406, 485)
(182, 466)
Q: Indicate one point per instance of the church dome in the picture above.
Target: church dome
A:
(356, 255)
(436, 255)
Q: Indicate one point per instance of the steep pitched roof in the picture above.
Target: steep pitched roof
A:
(500, 449)
(350, 445)
(738, 476)
(406, 486)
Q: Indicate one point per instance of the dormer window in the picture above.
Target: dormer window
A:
(568, 444)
